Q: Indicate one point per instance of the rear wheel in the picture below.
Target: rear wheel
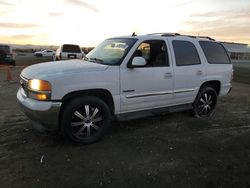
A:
(85, 119)
(205, 102)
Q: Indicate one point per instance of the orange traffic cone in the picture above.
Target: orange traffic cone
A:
(9, 75)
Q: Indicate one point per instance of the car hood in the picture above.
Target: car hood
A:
(57, 68)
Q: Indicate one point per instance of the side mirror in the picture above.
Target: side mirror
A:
(138, 62)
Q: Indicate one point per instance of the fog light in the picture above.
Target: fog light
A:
(39, 96)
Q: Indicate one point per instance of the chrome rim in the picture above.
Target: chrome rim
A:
(86, 121)
(206, 104)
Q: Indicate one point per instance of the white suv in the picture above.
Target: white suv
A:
(126, 78)
(68, 51)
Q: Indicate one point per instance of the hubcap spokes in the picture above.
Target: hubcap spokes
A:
(86, 121)
(205, 104)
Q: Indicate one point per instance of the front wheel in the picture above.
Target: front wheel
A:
(85, 119)
(205, 102)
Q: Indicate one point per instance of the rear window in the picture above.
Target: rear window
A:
(4, 48)
(214, 52)
(185, 53)
(71, 48)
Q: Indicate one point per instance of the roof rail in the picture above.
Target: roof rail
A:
(165, 34)
(177, 34)
(206, 37)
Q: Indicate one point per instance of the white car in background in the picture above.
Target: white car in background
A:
(69, 51)
(45, 53)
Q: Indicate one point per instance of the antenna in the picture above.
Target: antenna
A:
(133, 35)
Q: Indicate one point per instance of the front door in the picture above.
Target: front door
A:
(150, 86)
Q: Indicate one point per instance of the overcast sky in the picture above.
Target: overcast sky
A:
(88, 22)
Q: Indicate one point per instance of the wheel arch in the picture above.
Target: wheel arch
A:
(215, 84)
(103, 94)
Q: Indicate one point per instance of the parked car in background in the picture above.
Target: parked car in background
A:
(69, 51)
(6, 55)
(45, 53)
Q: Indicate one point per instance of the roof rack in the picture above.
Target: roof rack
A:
(206, 37)
(165, 34)
(177, 34)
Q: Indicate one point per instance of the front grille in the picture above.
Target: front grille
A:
(24, 84)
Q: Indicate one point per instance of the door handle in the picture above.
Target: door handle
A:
(168, 75)
(199, 72)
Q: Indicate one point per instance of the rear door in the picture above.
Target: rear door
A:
(188, 69)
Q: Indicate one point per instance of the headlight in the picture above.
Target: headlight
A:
(39, 85)
(39, 89)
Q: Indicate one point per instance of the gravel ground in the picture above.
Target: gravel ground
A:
(174, 150)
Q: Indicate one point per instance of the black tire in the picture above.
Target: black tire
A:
(205, 102)
(77, 123)
(39, 55)
(13, 63)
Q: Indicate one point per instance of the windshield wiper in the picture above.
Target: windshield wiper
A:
(94, 60)
(86, 59)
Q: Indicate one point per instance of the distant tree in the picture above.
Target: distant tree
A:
(86, 50)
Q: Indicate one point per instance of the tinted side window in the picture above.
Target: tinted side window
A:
(214, 52)
(185, 53)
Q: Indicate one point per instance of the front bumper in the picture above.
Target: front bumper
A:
(44, 115)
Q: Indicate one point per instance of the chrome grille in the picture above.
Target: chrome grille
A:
(24, 84)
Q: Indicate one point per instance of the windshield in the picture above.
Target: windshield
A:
(111, 51)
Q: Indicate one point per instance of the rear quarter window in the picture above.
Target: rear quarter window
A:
(71, 48)
(214, 52)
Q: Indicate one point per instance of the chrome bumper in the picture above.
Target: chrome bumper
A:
(229, 90)
(44, 115)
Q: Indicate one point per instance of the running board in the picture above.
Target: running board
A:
(152, 112)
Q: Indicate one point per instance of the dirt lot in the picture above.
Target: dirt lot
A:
(174, 150)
